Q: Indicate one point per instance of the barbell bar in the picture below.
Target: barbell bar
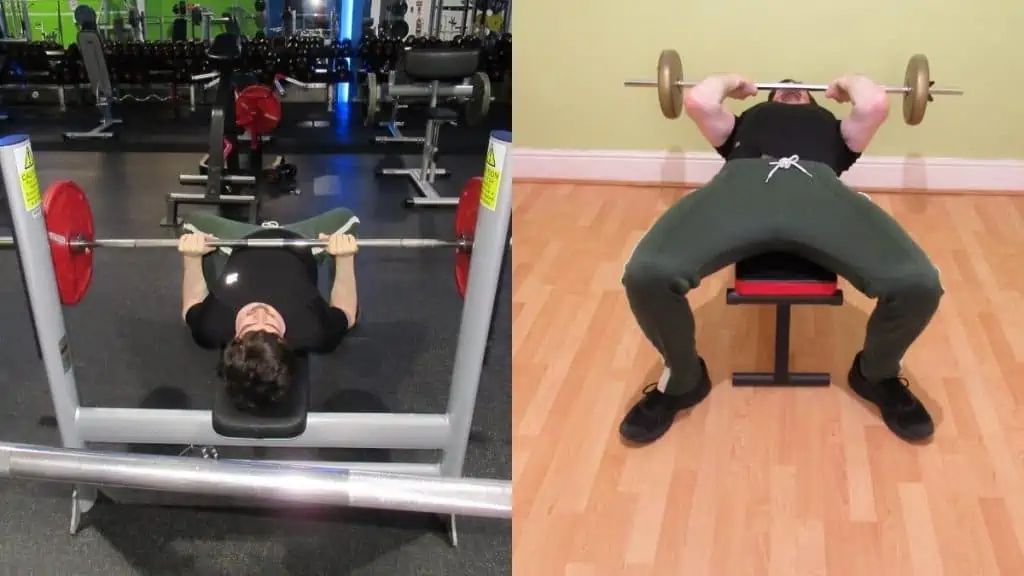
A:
(798, 86)
(84, 244)
(917, 89)
(70, 233)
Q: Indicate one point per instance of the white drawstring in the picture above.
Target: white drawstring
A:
(786, 164)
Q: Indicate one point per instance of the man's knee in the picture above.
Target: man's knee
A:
(643, 275)
(920, 288)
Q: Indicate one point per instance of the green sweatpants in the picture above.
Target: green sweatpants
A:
(755, 206)
(335, 220)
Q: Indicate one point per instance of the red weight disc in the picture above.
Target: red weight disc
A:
(465, 229)
(68, 217)
(257, 109)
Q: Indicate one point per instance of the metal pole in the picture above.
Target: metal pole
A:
(21, 184)
(935, 91)
(263, 481)
(489, 246)
(25, 200)
(436, 16)
(8, 241)
(465, 16)
(506, 25)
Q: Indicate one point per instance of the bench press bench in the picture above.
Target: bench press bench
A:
(287, 421)
(783, 280)
(290, 415)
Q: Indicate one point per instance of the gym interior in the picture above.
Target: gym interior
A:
(123, 118)
(802, 478)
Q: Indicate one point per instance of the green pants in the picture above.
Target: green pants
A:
(336, 220)
(756, 206)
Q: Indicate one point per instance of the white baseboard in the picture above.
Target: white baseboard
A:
(696, 168)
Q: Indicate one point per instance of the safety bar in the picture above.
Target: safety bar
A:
(260, 480)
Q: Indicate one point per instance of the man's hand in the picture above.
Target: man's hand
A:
(838, 90)
(195, 245)
(739, 87)
(341, 245)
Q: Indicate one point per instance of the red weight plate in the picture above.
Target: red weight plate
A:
(69, 217)
(465, 228)
(257, 110)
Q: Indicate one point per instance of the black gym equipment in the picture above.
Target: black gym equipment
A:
(434, 66)
(90, 47)
(220, 170)
(85, 18)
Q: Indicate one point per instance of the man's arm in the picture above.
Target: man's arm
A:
(703, 104)
(193, 284)
(870, 110)
(344, 295)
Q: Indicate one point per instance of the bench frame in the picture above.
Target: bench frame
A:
(788, 289)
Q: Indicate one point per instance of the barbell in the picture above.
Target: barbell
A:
(70, 230)
(79, 244)
(917, 89)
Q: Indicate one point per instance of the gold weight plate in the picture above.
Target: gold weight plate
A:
(918, 79)
(670, 94)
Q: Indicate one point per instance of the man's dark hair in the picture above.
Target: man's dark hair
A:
(257, 369)
(771, 95)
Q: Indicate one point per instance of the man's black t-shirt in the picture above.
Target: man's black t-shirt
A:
(284, 278)
(781, 130)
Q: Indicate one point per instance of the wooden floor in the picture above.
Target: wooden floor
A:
(757, 481)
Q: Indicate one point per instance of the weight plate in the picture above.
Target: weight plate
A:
(670, 94)
(372, 100)
(68, 218)
(475, 110)
(918, 79)
(466, 214)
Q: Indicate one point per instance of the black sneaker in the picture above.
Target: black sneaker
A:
(653, 415)
(901, 411)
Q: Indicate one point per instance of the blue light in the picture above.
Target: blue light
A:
(345, 27)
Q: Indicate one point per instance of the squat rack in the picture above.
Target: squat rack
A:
(80, 425)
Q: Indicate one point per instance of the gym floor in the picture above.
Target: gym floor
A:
(131, 350)
(781, 481)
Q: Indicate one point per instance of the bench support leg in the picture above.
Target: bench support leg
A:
(781, 376)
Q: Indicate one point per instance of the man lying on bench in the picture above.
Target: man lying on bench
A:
(262, 306)
(780, 190)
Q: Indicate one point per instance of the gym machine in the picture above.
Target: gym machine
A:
(432, 66)
(232, 482)
(220, 171)
(473, 96)
(90, 45)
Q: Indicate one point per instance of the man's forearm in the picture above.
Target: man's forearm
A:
(344, 295)
(708, 94)
(193, 283)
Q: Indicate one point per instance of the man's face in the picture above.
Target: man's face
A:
(258, 316)
(792, 96)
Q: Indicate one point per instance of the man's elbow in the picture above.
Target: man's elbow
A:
(875, 108)
(697, 106)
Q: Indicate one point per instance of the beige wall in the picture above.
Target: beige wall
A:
(571, 57)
